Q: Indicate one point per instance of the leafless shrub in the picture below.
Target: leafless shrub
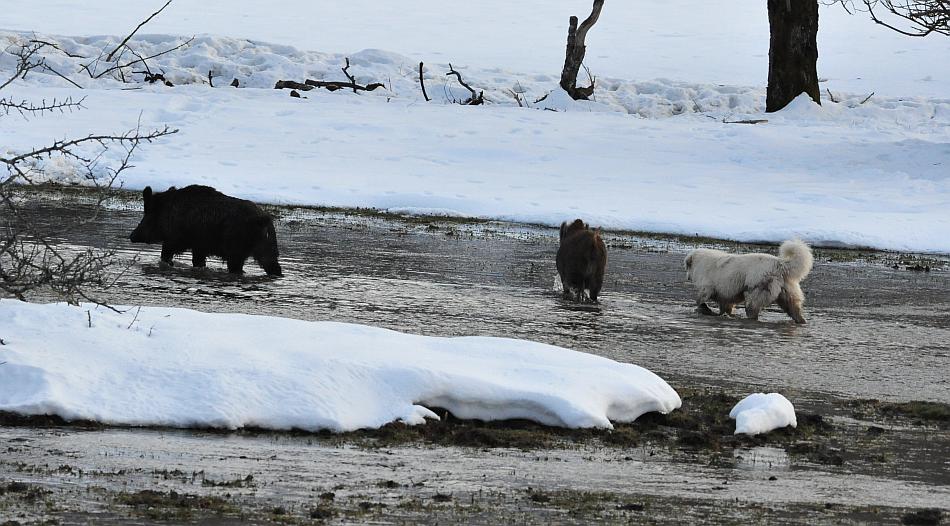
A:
(29, 259)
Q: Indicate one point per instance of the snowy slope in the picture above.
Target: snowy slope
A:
(652, 155)
(177, 367)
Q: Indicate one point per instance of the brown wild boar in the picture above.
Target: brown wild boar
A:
(581, 261)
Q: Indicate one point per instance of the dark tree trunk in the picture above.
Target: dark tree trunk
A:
(574, 56)
(793, 52)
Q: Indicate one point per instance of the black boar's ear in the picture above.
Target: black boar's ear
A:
(171, 189)
(147, 193)
(563, 229)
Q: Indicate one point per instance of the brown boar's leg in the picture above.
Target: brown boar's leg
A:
(594, 292)
(198, 258)
(566, 291)
(726, 309)
(167, 254)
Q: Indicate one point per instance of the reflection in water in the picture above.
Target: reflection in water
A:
(871, 332)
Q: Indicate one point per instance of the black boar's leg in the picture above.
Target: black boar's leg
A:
(198, 258)
(236, 265)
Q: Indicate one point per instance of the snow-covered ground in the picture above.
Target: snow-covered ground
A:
(650, 154)
(178, 367)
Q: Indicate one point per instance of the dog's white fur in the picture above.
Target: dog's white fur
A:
(757, 279)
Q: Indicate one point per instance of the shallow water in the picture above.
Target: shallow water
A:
(872, 332)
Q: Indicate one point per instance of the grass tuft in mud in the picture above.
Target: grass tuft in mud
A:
(23, 491)
(171, 505)
(919, 411)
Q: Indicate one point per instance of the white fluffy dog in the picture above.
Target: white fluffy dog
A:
(758, 279)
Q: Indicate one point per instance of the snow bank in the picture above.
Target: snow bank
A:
(760, 413)
(177, 367)
(657, 155)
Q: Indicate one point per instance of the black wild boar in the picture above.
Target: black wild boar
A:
(581, 260)
(209, 223)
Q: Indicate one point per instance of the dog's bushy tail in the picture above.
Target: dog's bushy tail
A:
(797, 258)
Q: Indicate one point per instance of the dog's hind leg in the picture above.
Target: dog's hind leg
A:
(791, 305)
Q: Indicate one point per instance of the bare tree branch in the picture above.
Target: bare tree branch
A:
(139, 60)
(923, 17)
(147, 20)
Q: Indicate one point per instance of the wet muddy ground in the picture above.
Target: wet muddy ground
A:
(877, 338)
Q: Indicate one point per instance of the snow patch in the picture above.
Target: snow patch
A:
(178, 367)
(760, 413)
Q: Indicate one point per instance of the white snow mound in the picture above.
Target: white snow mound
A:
(760, 413)
(182, 368)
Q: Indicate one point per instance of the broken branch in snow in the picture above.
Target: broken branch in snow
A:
(332, 85)
(517, 96)
(291, 84)
(329, 85)
(831, 96)
(117, 48)
(475, 99)
(746, 121)
(346, 72)
(152, 78)
(867, 98)
(422, 83)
